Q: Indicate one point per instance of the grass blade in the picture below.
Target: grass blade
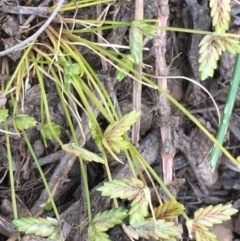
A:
(232, 93)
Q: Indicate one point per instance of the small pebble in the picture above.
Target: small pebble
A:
(38, 148)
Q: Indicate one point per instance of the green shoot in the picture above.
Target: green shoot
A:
(71, 70)
(232, 94)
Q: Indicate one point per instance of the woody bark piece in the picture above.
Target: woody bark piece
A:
(137, 85)
(168, 150)
(39, 11)
(31, 17)
(6, 227)
(25, 42)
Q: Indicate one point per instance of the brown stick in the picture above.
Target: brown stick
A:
(168, 149)
(30, 18)
(27, 41)
(40, 11)
(6, 227)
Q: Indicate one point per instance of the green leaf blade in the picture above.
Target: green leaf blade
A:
(38, 226)
(22, 121)
(108, 219)
(121, 72)
(124, 189)
(3, 115)
(46, 131)
(81, 152)
(213, 215)
(136, 42)
(159, 230)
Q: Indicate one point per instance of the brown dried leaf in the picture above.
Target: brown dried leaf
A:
(168, 210)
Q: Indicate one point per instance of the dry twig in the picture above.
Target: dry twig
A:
(168, 150)
(40, 11)
(35, 35)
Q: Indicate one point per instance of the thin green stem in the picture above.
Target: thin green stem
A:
(42, 118)
(73, 132)
(231, 97)
(47, 113)
(156, 176)
(86, 189)
(60, 94)
(108, 171)
(41, 174)
(115, 24)
(100, 88)
(19, 66)
(91, 76)
(94, 99)
(10, 169)
(130, 163)
(79, 4)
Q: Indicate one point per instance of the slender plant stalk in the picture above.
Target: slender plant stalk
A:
(108, 172)
(232, 94)
(42, 111)
(137, 84)
(91, 76)
(43, 94)
(115, 24)
(81, 4)
(73, 132)
(133, 160)
(10, 168)
(100, 88)
(156, 176)
(47, 112)
(41, 173)
(130, 163)
(18, 68)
